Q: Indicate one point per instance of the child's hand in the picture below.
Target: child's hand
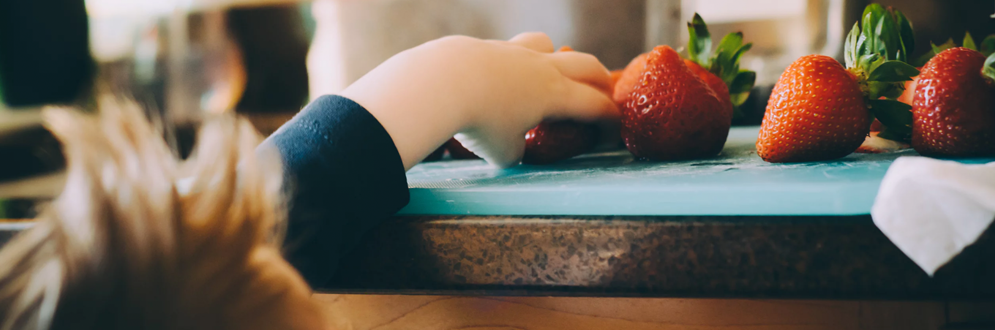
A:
(489, 92)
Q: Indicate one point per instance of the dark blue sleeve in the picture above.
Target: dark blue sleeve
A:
(343, 177)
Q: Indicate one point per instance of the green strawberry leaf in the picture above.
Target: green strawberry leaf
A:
(880, 46)
(869, 25)
(908, 35)
(969, 41)
(872, 63)
(989, 69)
(725, 64)
(891, 134)
(987, 45)
(934, 49)
(699, 42)
(882, 31)
(729, 44)
(895, 116)
(946, 45)
(861, 51)
(739, 52)
(739, 91)
(890, 44)
(850, 53)
(878, 89)
(868, 61)
(893, 71)
(742, 85)
(732, 67)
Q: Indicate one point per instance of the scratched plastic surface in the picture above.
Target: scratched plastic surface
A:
(737, 182)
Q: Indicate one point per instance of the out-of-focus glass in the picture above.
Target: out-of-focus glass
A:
(177, 55)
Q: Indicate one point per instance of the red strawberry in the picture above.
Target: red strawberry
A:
(628, 79)
(954, 106)
(555, 141)
(816, 112)
(713, 82)
(672, 114)
(820, 110)
(458, 151)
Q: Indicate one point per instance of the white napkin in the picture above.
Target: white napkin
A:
(931, 209)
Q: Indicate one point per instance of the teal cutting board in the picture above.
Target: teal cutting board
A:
(737, 182)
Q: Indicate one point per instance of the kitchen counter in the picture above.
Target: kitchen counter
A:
(818, 257)
(606, 224)
(732, 226)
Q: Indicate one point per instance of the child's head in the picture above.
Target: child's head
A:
(124, 248)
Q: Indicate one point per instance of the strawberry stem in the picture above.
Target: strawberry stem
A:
(876, 51)
(723, 62)
(699, 41)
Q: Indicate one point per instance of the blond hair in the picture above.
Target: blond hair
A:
(123, 247)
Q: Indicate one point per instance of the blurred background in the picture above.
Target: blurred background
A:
(266, 58)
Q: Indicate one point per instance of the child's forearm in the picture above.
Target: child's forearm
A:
(418, 122)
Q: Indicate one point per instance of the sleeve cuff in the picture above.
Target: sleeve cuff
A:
(344, 176)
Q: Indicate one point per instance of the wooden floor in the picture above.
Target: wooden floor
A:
(357, 312)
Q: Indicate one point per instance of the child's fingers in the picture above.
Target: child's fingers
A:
(584, 68)
(583, 102)
(536, 41)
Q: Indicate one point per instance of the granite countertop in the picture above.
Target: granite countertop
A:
(779, 257)
(745, 257)
(730, 226)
